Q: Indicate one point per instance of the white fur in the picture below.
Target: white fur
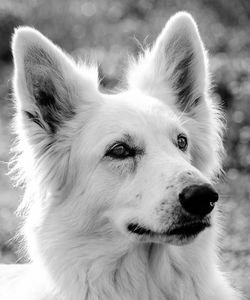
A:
(77, 202)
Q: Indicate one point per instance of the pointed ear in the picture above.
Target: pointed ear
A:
(177, 62)
(48, 85)
(175, 71)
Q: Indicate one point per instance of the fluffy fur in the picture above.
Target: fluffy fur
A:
(79, 199)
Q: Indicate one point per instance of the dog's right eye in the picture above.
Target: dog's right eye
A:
(120, 151)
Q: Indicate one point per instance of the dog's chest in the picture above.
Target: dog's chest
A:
(158, 280)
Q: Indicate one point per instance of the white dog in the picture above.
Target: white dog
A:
(119, 203)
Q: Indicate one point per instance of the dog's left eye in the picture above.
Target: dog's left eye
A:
(120, 151)
(182, 142)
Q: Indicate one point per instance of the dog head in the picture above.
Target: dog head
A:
(138, 164)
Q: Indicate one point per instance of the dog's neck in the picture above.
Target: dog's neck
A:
(148, 271)
(134, 275)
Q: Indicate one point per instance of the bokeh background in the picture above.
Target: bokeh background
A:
(107, 31)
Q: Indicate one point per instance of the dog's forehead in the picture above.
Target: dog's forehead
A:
(138, 107)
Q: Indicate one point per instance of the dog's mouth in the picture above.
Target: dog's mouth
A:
(179, 231)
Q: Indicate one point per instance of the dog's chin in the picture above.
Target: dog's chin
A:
(180, 234)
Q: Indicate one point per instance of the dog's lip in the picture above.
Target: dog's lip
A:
(186, 229)
(189, 229)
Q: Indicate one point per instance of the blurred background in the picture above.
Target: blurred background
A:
(110, 30)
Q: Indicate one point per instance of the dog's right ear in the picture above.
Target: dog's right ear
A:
(48, 85)
(50, 91)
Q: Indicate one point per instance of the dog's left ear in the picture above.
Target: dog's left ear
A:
(175, 71)
(177, 62)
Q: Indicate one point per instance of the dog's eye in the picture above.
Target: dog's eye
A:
(182, 142)
(120, 151)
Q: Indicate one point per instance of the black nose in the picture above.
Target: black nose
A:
(198, 200)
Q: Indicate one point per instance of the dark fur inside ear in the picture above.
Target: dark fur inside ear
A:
(184, 83)
(34, 118)
(48, 91)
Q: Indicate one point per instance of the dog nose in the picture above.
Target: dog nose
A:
(198, 200)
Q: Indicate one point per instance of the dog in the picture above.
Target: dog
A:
(119, 198)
